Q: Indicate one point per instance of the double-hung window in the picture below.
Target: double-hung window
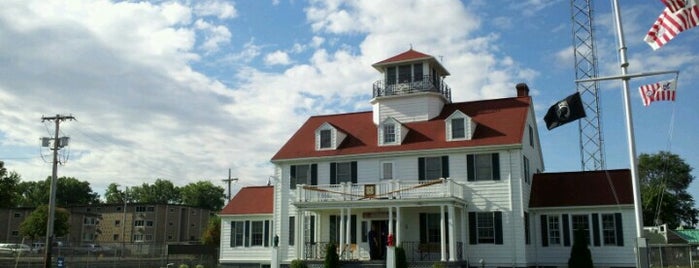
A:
(485, 227)
(389, 133)
(303, 174)
(325, 139)
(483, 167)
(430, 168)
(554, 230)
(458, 129)
(343, 172)
(582, 222)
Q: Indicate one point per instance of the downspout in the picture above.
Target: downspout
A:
(512, 207)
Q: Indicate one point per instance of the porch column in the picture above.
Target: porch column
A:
(452, 237)
(342, 232)
(299, 234)
(442, 234)
(390, 220)
(348, 233)
(463, 231)
(398, 226)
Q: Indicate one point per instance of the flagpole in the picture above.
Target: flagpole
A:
(641, 247)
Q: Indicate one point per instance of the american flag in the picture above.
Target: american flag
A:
(679, 15)
(661, 91)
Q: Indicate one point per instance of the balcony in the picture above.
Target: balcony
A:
(389, 189)
(428, 83)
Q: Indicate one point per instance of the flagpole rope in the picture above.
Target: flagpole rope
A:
(671, 128)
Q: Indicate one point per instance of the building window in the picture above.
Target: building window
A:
(237, 231)
(404, 73)
(582, 222)
(138, 238)
(149, 237)
(609, 229)
(303, 174)
(483, 167)
(389, 133)
(116, 237)
(390, 75)
(343, 172)
(169, 237)
(431, 168)
(140, 208)
(118, 208)
(458, 130)
(15, 233)
(17, 215)
(525, 164)
(554, 230)
(485, 227)
(429, 228)
(417, 72)
(150, 208)
(531, 136)
(149, 223)
(387, 170)
(334, 228)
(138, 223)
(256, 233)
(117, 222)
(325, 139)
(292, 230)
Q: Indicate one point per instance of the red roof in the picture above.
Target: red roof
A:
(583, 188)
(405, 56)
(499, 122)
(251, 200)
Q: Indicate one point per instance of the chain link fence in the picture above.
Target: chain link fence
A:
(674, 256)
(109, 256)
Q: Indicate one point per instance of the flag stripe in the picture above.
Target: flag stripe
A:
(675, 18)
(661, 91)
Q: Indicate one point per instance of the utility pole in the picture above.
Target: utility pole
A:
(229, 180)
(57, 145)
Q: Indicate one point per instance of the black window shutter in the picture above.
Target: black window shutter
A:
(246, 235)
(496, 166)
(619, 230)
(313, 228)
(292, 177)
(292, 230)
(353, 165)
(314, 174)
(498, 227)
(365, 231)
(470, 166)
(423, 226)
(421, 168)
(266, 237)
(333, 173)
(445, 166)
(544, 231)
(566, 231)
(595, 229)
(472, 238)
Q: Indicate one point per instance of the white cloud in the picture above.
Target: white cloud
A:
(277, 58)
(214, 35)
(219, 9)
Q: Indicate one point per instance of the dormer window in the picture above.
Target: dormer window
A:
(459, 126)
(325, 139)
(389, 133)
(328, 137)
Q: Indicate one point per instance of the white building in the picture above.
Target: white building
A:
(447, 181)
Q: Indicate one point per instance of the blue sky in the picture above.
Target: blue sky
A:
(185, 90)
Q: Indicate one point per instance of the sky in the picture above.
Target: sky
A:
(186, 90)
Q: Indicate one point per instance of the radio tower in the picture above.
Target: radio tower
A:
(591, 139)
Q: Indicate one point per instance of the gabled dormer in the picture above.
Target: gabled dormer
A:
(459, 127)
(412, 88)
(328, 137)
(391, 132)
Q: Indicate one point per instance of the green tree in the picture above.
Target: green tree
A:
(112, 195)
(332, 260)
(160, 192)
(9, 188)
(203, 194)
(212, 233)
(664, 179)
(69, 191)
(580, 256)
(34, 226)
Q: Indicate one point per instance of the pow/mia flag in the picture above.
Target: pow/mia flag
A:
(564, 111)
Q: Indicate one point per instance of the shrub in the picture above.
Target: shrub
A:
(184, 266)
(332, 260)
(437, 265)
(199, 266)
(401, 259)
(298, 264)
(580, 256)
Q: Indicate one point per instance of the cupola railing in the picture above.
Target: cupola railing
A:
(428, 83)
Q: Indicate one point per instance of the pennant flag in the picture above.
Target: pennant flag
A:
(661, 91)
(564, 111)
(679, 15)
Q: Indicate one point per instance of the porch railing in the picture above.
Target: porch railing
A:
(426, 83)
(391, 189)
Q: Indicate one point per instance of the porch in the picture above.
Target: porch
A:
(389, 189)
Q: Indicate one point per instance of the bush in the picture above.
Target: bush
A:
(184, 266)
(332, 260)
(199, 266)
(298, 264)
(580, 256)
(437, 265)
(401, 259)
